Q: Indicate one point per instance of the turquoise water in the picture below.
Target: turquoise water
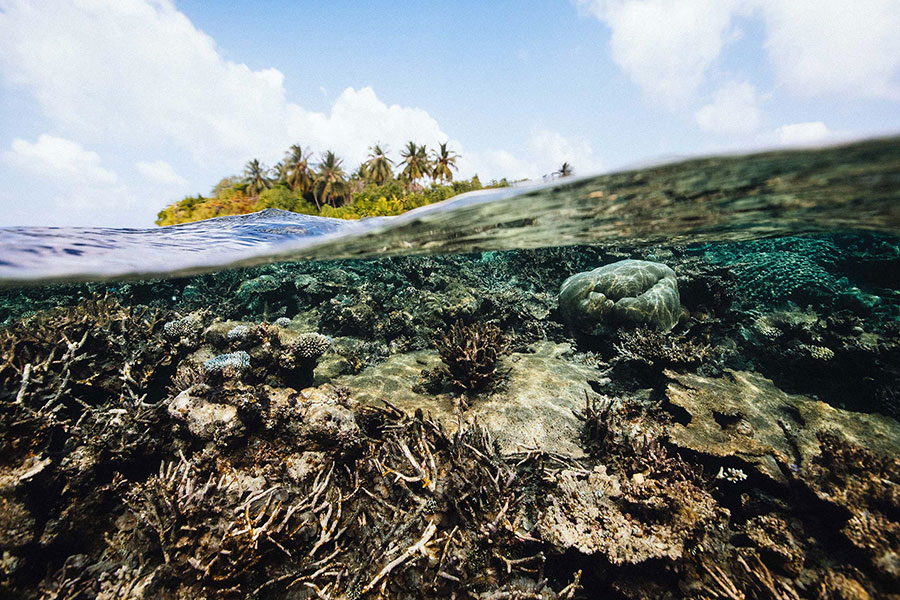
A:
(169, 394)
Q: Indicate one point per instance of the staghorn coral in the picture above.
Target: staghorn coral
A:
(741, 576)
(59, 363)
(663, 350)
(234, 523)
(470, 354)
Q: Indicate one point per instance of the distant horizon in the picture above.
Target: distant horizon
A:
(112, 110)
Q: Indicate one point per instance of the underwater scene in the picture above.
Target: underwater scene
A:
(681, 381)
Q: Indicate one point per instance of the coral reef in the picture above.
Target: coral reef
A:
(295, 431)
(627, 291)
(835, 357)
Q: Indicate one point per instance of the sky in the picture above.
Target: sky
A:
(112, 109)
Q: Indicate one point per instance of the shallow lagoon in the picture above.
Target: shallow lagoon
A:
(400, 409)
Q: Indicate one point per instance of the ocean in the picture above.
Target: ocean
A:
(679, 381)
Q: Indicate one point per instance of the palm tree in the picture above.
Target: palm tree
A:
(330, 181)
(256, 178)
(280, 171)
(416, 160)
(379, 166)
(565, 170)
(426, 163)
(444, 160)
(357, 181)
(299, 177)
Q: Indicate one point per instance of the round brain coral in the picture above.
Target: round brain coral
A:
(635, 292)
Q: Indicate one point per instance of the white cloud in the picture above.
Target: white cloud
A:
(58, 159)
(495, 164)
(824, 47)
(72, 180)
(546, 151)
(816, 47)
(359, 119)
(551, 150)
(146, 77)
(665, 46)
(735, 110)
(160, 172)
(802, 134)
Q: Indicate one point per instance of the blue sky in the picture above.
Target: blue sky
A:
(110, 109)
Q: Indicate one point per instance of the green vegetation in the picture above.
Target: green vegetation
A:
(326, 189)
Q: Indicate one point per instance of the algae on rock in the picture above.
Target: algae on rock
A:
(743, 415)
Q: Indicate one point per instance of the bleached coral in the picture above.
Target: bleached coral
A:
(306, 348)
(731, 474)
(238, 332)
(224, 363)
(184, 330)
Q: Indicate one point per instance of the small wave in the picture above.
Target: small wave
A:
(727, 198)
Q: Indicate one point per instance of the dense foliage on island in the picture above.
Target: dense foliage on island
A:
(378, 187)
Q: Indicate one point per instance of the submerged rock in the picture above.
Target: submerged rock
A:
(204, 419)
(635, 292)
(319, 417)
(743, 415)
(626, 521)
(535, 408)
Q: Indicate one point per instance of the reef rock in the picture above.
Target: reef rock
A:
(635, 292)
(534, 407)
(626, 521)
(204, 419)
(321, 417)
(744, 415)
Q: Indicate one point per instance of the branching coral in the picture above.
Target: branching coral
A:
(471, 353)
(59, 363)
(661, 349)
(305, 349)
(232, 528)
